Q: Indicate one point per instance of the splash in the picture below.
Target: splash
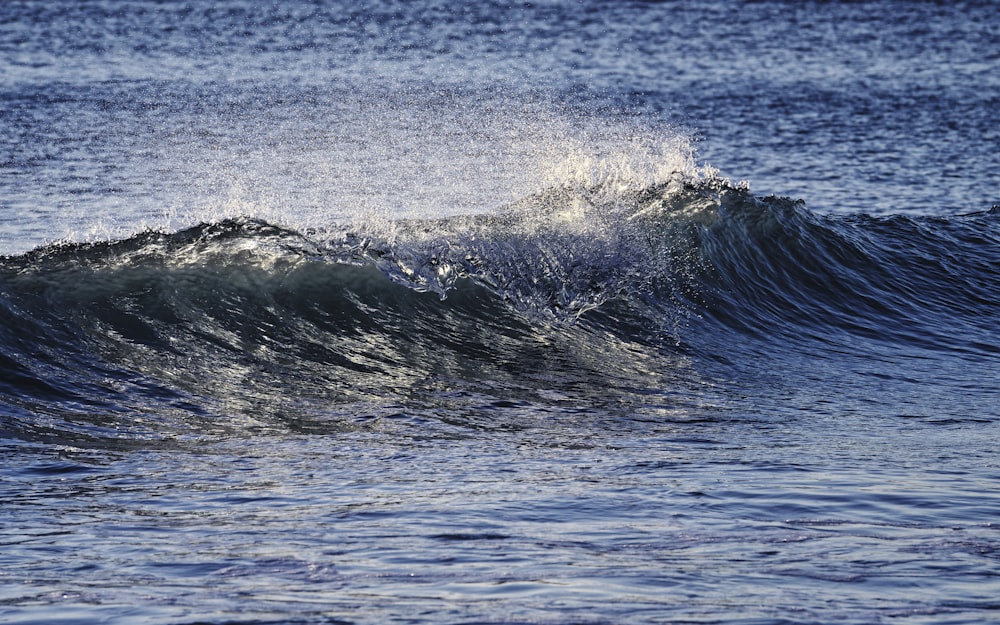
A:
(344, 154)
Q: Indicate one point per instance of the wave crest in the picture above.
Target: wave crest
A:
(555, 254)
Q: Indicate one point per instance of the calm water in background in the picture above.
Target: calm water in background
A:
(231, 390)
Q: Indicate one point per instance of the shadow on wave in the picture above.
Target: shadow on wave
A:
(243, 326)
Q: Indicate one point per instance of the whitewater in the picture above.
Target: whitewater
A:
(536, 313)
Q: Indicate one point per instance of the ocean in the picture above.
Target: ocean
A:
(552, 312)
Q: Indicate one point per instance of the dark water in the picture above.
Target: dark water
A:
(432, 313)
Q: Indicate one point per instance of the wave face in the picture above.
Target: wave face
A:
(577, 298)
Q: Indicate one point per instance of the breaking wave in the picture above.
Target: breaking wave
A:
(580, 296)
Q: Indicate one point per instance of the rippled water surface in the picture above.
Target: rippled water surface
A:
(641, 312)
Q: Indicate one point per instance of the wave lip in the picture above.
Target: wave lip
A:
(553, 255)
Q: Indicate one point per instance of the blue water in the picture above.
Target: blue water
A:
(555, 312)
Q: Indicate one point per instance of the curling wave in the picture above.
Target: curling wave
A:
(577, 296)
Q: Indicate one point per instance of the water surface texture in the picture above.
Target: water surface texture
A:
(550, 312)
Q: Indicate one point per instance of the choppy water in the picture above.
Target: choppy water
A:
(423, 313)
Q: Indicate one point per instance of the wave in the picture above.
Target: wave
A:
(579, 296)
